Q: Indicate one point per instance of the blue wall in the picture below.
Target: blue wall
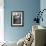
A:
(43, 6)
(29, 7)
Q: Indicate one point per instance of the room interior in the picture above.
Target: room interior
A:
(20, 36)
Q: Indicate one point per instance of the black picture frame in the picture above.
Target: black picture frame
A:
(17, 18)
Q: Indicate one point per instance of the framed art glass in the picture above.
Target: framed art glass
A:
(17, 18)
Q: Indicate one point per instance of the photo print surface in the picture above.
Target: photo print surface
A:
(17, 18)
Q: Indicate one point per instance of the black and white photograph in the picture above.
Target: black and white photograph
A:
(17, 18)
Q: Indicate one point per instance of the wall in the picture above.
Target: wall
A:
(30, 7)
(42, 6)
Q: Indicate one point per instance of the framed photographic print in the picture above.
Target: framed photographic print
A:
(17, 18)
